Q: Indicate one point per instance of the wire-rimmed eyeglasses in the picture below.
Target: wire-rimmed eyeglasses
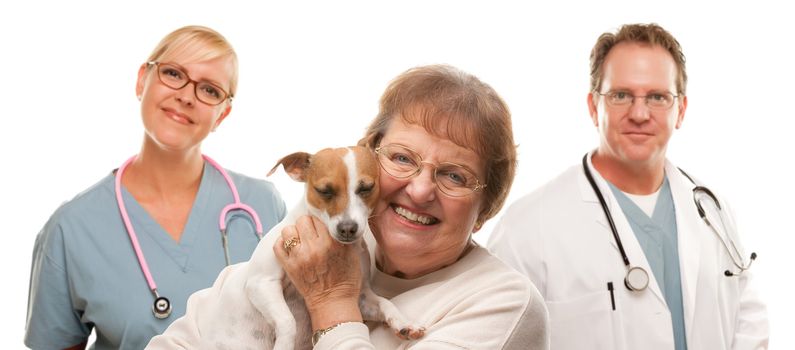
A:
(401, 162)
(656, 100)
(173, 76)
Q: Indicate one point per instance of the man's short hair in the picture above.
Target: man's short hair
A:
(651, 34)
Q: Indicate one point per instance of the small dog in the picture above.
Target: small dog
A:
(247, 307)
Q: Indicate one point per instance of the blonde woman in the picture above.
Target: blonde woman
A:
(123, 256)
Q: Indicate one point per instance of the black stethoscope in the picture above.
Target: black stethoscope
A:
(700, 192)
(637, 279)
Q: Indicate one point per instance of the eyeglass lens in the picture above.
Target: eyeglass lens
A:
(661, 100)
(176, 78)
(402, 162)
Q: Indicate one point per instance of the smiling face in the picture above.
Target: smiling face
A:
(175, 120)
(419, 229)
(635, 135)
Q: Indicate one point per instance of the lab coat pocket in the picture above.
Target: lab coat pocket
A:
(586, 322)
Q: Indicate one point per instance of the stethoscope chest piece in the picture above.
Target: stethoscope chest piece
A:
(161, 307)
(637, 279)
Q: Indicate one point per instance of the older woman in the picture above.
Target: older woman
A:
(445, 146)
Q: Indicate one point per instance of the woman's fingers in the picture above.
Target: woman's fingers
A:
(280, 252)
(321, 269)
(287, 243)
(302, 245)
(310, 227)
(290, 240)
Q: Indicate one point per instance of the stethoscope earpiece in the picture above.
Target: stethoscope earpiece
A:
(728, 273)
(161, 307)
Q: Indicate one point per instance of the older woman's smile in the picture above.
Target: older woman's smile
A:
(414, 217)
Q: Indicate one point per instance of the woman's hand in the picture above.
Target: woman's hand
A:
(325, 272)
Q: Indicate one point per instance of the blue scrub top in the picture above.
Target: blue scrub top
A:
(85, 273)
(658, 237)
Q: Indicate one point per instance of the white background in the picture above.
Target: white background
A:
(312, 73)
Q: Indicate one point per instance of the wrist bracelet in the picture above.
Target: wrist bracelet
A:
(321, 332)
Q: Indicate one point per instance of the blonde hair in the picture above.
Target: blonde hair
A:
(453, 104)
(196, 44)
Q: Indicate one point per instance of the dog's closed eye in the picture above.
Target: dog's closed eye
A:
(364, 189)
(326, 192)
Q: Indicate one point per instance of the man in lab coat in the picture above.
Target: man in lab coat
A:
(692, 289)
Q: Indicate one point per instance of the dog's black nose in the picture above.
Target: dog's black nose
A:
(347, 229)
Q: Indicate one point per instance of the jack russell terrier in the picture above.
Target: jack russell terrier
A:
(251, 304)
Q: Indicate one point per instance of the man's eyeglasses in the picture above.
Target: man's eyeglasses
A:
(175, 77)
(402, 162)
(657, 100)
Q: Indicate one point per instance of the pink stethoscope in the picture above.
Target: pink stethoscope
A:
(162, 306)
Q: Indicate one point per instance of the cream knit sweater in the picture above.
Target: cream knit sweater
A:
(476, 303)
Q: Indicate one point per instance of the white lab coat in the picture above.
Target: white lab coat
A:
(559, 237)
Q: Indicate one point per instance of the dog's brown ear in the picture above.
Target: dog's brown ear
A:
(295, 165)
(371, 140)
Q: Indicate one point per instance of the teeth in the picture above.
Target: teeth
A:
(425, 220)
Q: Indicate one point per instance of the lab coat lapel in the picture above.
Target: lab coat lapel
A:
(688, 229)
(631, 245)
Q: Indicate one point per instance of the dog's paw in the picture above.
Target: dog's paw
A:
(410, 333)
(403, 329)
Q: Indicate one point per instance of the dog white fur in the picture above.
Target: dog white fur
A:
(253, 303)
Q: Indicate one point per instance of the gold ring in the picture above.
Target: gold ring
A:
(290, 243)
